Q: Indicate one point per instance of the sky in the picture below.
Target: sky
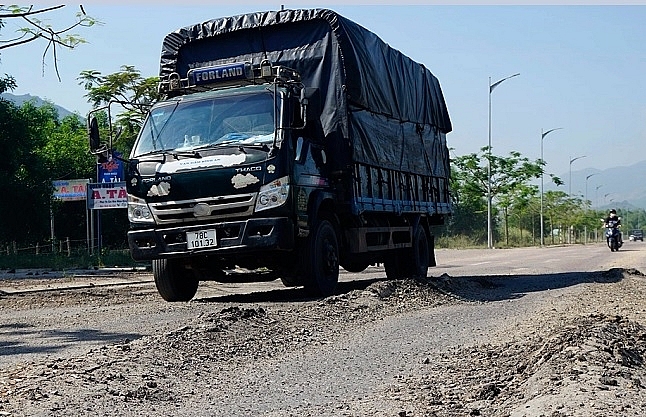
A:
(582, 66)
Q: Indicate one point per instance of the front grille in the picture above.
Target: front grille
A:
(172, 212)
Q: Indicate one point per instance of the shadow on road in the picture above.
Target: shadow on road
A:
(15, 338)
(503, 287)
(296, 294)
(470, 288)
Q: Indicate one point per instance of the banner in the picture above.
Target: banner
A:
(70, 190)
(111, 170)
(107, 195)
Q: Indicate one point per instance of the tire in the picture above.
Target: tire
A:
(412, 262)
(174, 283)
(614, 246)
(321, 271)
(420, 254)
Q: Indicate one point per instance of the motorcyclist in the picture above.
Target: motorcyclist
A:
(613, 221)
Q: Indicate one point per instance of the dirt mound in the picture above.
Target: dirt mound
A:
(594, 359)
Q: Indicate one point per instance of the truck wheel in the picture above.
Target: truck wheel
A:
(322, 260)
(173, 282)
(420, 255)
(411, 262)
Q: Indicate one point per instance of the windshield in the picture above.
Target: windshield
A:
(243, 119)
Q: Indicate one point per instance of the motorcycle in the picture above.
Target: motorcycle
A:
(613, 235)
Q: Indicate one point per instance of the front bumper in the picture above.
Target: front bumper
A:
(235, 237)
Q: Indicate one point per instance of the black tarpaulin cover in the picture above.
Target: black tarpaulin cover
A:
(390, 108)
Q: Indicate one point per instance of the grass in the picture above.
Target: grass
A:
(458, 242)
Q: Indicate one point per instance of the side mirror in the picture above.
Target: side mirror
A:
(310, 101)
(93, 134)
(101, 151)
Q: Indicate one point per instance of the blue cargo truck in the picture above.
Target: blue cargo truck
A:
(290, 142)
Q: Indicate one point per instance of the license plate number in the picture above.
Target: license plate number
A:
(201, 239)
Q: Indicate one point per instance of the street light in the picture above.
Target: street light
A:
(570, 185)
(596, 194)
(586, 185)
(489, 231)
(543, 134)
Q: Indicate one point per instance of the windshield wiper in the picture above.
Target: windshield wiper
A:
(260, 146)
(173, 153)
(217, 144)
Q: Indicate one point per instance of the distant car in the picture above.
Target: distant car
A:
(635, 235)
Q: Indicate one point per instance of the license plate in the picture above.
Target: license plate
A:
(201, 239)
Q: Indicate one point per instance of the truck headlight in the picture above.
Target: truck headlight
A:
(273, 194)
(138, 211)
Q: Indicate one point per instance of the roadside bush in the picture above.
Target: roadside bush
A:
(76, 260)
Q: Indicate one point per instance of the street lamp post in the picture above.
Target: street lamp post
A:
(489, 229)
(570, 185)
(596, 194)
(543, 134)
(585, 227)
(586, 185)
(605, 197)
(569, 235)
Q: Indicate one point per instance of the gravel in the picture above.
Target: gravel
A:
(570, 345)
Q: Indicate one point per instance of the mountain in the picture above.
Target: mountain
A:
(619, 187)
(20, 99)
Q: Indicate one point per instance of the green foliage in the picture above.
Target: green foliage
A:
(131, 92)
(38, 148)
(470, 184)
(630, 219)
(8, 83)
(34, 28)
(24, 179)
(66, 151)
(459, 242)
(60, 261)
(515, 201)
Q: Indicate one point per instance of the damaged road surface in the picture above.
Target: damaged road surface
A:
(521, 332)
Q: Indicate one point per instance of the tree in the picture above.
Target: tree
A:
(7, 83)
(66, 151)
(37, 29)
(508, 175)
(518, 198)
(24, 180)
(132, 92)
(39, 148)
(469, 208)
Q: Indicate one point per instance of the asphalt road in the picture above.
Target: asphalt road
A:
(52, 317)
(351, 371)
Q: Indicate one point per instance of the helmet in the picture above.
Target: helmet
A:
(613, 211)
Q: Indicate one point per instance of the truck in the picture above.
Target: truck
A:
(287, 144)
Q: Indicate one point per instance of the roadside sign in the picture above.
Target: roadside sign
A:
(111, 170)
(70, 190)
(107, 195)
